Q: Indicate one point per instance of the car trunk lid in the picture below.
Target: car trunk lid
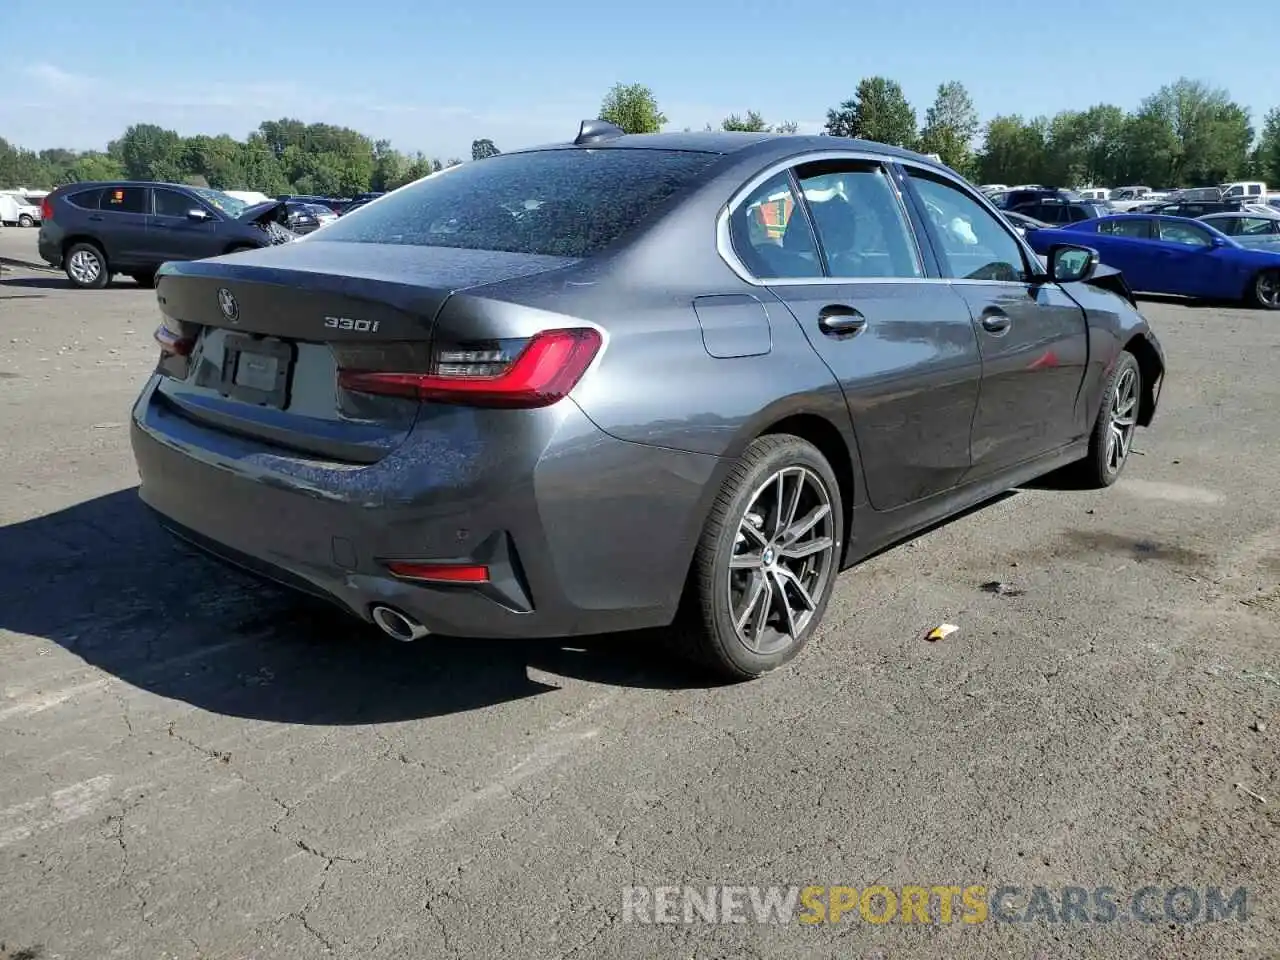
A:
(255, 340)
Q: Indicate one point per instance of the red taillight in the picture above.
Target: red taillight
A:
(438, 572)
(46, 210)
(171, 343)
(545, 370)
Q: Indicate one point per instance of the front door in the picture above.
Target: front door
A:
(901, 345)
(1187, 259)
(1033, 337)
(173, 235)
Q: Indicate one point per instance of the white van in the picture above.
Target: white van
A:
(1095, 193)
(17, 211)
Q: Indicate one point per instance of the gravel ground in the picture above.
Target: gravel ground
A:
(198, 766)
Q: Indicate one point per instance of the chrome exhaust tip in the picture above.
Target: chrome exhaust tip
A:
(396, 625)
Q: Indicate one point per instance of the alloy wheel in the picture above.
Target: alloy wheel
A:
(1268, 290)
(783, 559)
(1124, 419)
(84, 266)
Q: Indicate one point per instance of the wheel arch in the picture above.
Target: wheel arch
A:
(1251, 288)
(818, 423)
(77, 238)
(1151, 366)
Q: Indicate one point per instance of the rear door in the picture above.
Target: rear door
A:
(173, 235)
(846, 264)
(1032, 336)
(121, 224)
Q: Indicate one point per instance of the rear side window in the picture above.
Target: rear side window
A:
(860, 223)
(85, 199)
(564, 203)
(770, 234)
(124, 199)
(1134, 227)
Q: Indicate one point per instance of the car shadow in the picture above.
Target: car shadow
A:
(102, 580)
(62, 283)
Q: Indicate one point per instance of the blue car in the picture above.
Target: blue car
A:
(1174, 255)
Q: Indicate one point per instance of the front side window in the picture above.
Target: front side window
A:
(124, 199)
(1183, 233)
(170, 203)
(860, 223)
(974, 244)
(771, 235)
(564, 203)
(222, 201)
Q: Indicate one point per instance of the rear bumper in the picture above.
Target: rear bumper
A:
(582, 533)
(49, 251)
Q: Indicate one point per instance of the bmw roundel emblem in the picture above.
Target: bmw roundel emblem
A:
(228, 305)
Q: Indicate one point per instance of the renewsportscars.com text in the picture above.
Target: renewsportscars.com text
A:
(932, 904)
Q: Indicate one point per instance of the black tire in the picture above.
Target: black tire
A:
(1266, 290)
(81, 276)
(26, 221)
(1103, 464)
(144, 279)
(705, 629)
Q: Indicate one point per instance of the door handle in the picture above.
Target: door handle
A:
(841, 321)
(996, 321)
(96, 218)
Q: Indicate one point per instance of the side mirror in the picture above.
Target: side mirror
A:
(197, 214)
(1217, 242)
(1069, 263)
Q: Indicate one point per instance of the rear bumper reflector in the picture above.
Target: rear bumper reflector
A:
(425, 572)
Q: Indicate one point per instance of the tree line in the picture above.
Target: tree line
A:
(1188, 133)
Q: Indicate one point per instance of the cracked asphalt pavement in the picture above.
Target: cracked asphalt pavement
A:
(197, 766)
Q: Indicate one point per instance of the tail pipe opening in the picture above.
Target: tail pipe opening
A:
(397, 625)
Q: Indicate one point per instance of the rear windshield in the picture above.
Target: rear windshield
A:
(563, 203)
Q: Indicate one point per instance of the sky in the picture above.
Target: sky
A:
(433, 76)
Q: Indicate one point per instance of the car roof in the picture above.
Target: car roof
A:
(90, 184)
(1242, 214)
(741, 144)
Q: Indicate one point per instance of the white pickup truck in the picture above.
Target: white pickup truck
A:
(1124, 199)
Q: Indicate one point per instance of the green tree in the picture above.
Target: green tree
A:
(1149, 147)
(787, 127)
(842, 121)
(150, 152)
(482, 149)
(389, 166)
(217, 159)
(1013, 150)
(89, 166)
(879, 111)
(633, 107)
(1268, 154)
(751, 123)
(1211, 134)
(950, 126)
